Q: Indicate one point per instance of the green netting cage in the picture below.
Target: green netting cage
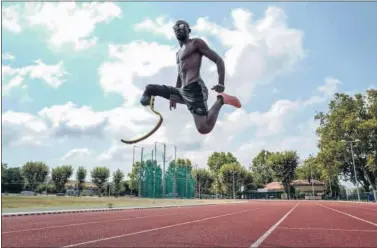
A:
(178, 179)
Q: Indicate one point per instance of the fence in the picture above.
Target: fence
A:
(176, 182)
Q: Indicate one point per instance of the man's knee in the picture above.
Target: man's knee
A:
(203, 129)
(150, 89)
(157, 90)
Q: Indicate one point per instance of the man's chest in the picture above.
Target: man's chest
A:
(185, 53)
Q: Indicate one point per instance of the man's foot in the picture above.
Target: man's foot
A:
(145, 100)
(230, 100)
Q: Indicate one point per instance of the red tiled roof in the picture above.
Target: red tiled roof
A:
(306, 182)
(273, 186)
(278, 186)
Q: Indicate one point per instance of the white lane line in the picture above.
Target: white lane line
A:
(324, 229)
(349, 215)
(269, 231)
(158, 228)
(344, 205)
(92, 222)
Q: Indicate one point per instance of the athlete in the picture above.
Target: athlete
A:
(190, 88)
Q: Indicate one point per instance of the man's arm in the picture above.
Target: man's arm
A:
(179, 82)
(204, 49)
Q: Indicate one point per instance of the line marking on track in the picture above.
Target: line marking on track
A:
(269, 231)
(349, 215)
(95, 222)
(324, 229)
(371, 209)
(158, 228)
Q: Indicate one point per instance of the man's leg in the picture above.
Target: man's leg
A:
(205, 123)
(157, 90)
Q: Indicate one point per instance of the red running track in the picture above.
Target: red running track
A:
(253, 224)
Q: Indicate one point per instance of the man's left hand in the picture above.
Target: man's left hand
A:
(218, 88)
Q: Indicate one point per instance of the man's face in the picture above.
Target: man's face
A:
(181, 31)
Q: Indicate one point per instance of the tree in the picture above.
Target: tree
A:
(351, 118)
(11, 179)
(232, 178)
(80, 177)
(3, 177)
(34, 173)
(204, 180)
(99, 177)
(118, 176)
(134, 175)
(262, 172)
(217, 159)
(60, 176)
(284, 165)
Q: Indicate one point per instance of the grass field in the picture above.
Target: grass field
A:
(56, 201)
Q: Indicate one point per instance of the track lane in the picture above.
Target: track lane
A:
(363, 213)
(311, 225)
(21, 223)
(238, 230)
(76, 234)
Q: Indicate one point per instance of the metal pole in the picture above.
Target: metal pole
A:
(311, 175)
(175, 171)
(186, 178)
(141, 167)
(234, 193)
(330, 185)
(133, 163)
(153, 173)
(154, 169)
(354, 170)
(163, 173)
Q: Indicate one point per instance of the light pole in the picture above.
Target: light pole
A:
(175, 171)
(163, 164)
(197, 180)
(133, 163)
(353, 162)
(234, 190)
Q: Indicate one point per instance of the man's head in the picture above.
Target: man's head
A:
(181, 30)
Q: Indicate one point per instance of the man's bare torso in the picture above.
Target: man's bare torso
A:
(189, 61)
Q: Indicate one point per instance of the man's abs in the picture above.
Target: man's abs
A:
(190, 77)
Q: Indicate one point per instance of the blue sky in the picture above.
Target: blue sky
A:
(295, 56)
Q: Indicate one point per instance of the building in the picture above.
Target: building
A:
(303, 188)
(306, 188)
(89, 188)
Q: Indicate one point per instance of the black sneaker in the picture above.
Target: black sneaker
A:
(145, 100)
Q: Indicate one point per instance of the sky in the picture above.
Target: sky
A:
(73, 73)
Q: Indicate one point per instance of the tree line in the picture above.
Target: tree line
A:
(36, 177)
(348, 119)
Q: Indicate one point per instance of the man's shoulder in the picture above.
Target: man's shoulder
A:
(197, 40)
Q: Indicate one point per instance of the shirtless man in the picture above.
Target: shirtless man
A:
(194, 92)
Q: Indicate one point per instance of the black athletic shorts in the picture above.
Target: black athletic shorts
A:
(193, 95)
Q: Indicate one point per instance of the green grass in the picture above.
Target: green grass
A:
(56, 201)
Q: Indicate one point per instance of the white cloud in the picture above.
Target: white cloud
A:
(129, 61)
(76, 153)
(22, 129)
(52, 75)
(327, 90)
(160, 26)
(67, 22)
(8, 56)
(255, 52)
(11, 18)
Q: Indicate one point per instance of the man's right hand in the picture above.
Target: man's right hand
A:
(173, 104)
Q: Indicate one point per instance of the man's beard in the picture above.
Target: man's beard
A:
(181, 37)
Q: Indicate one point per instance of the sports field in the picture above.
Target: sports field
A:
(252, 224)
(13, 202)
